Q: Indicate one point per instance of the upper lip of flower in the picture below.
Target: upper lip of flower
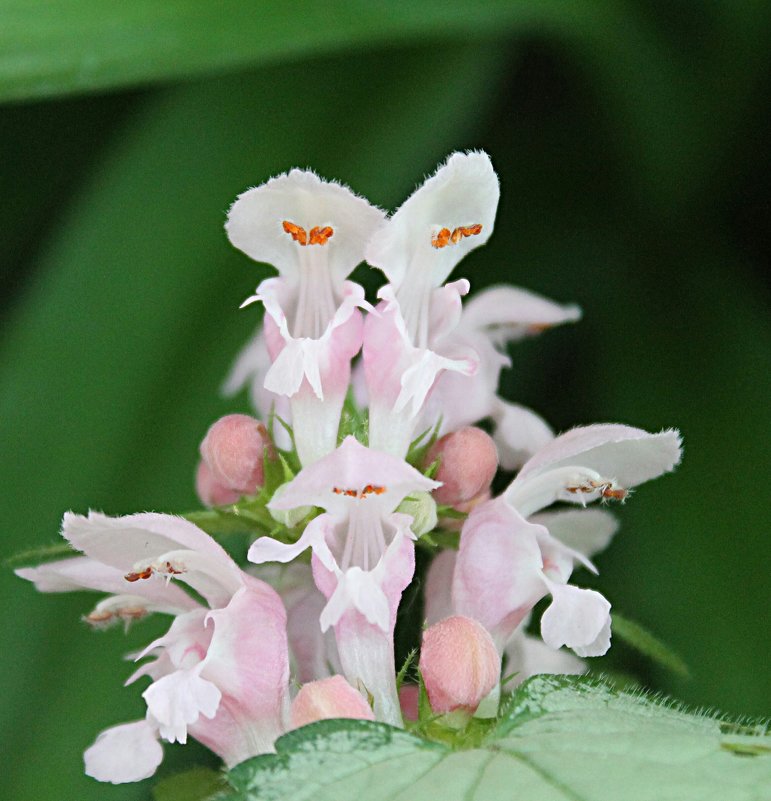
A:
(313, 232)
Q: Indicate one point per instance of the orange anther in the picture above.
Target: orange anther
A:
(617, 494)
(319, 236)
(142, 574)
(470, 230)
(98, 617)
(444, 236)
(441, 238)
(296, 232)
(132, 613)
(172, 570)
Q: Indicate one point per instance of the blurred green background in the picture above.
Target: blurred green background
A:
(631, 143)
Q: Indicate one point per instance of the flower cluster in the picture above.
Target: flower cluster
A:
(365, 445)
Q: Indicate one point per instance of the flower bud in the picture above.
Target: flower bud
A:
(409, 695)
(459, 664)
(234, 451)
(421, 507)
(328, 698)
(210, 493)
(468, 461)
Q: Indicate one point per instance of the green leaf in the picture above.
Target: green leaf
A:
(76, 45)
(560, 739)
(196, 784)
(642, 640)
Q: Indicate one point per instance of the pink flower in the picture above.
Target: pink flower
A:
(363, 556)
(314, 233)
(507, 563)
(407, 343)
(221, 671)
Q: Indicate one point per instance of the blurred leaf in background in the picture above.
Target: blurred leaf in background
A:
(629, 138)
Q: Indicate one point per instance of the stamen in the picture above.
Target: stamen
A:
(142, 574)
(296, 232)
(318, 235)
(118, 607)
(370, 489)
(607, 489)
(445, 237)
(164, 568)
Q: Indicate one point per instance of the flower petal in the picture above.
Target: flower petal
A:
(82, 573)
(179, 699)
(577, 618)
(519, 433)
(438, 598)
(255, 221)
(248, 662)
(528, 656)
(126, 753)
(587, 531)
(509, 313)
(266, 549)
(463, 192)
(141, 539)
(352, 466)
(498, 576)
(629, 455)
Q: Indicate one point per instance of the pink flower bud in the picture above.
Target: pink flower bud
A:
(210, 493)
(234, 450)
(328, 698)
(459, 664)
(468, 461)
(408, 700)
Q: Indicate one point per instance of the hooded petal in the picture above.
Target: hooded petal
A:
(588, 463)
(630, 455)
(140, 540)
(83, 573)
(127, 753)
(256, 222)
(508, 313)
(462, 193)
(352, 468)
(577, 618)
